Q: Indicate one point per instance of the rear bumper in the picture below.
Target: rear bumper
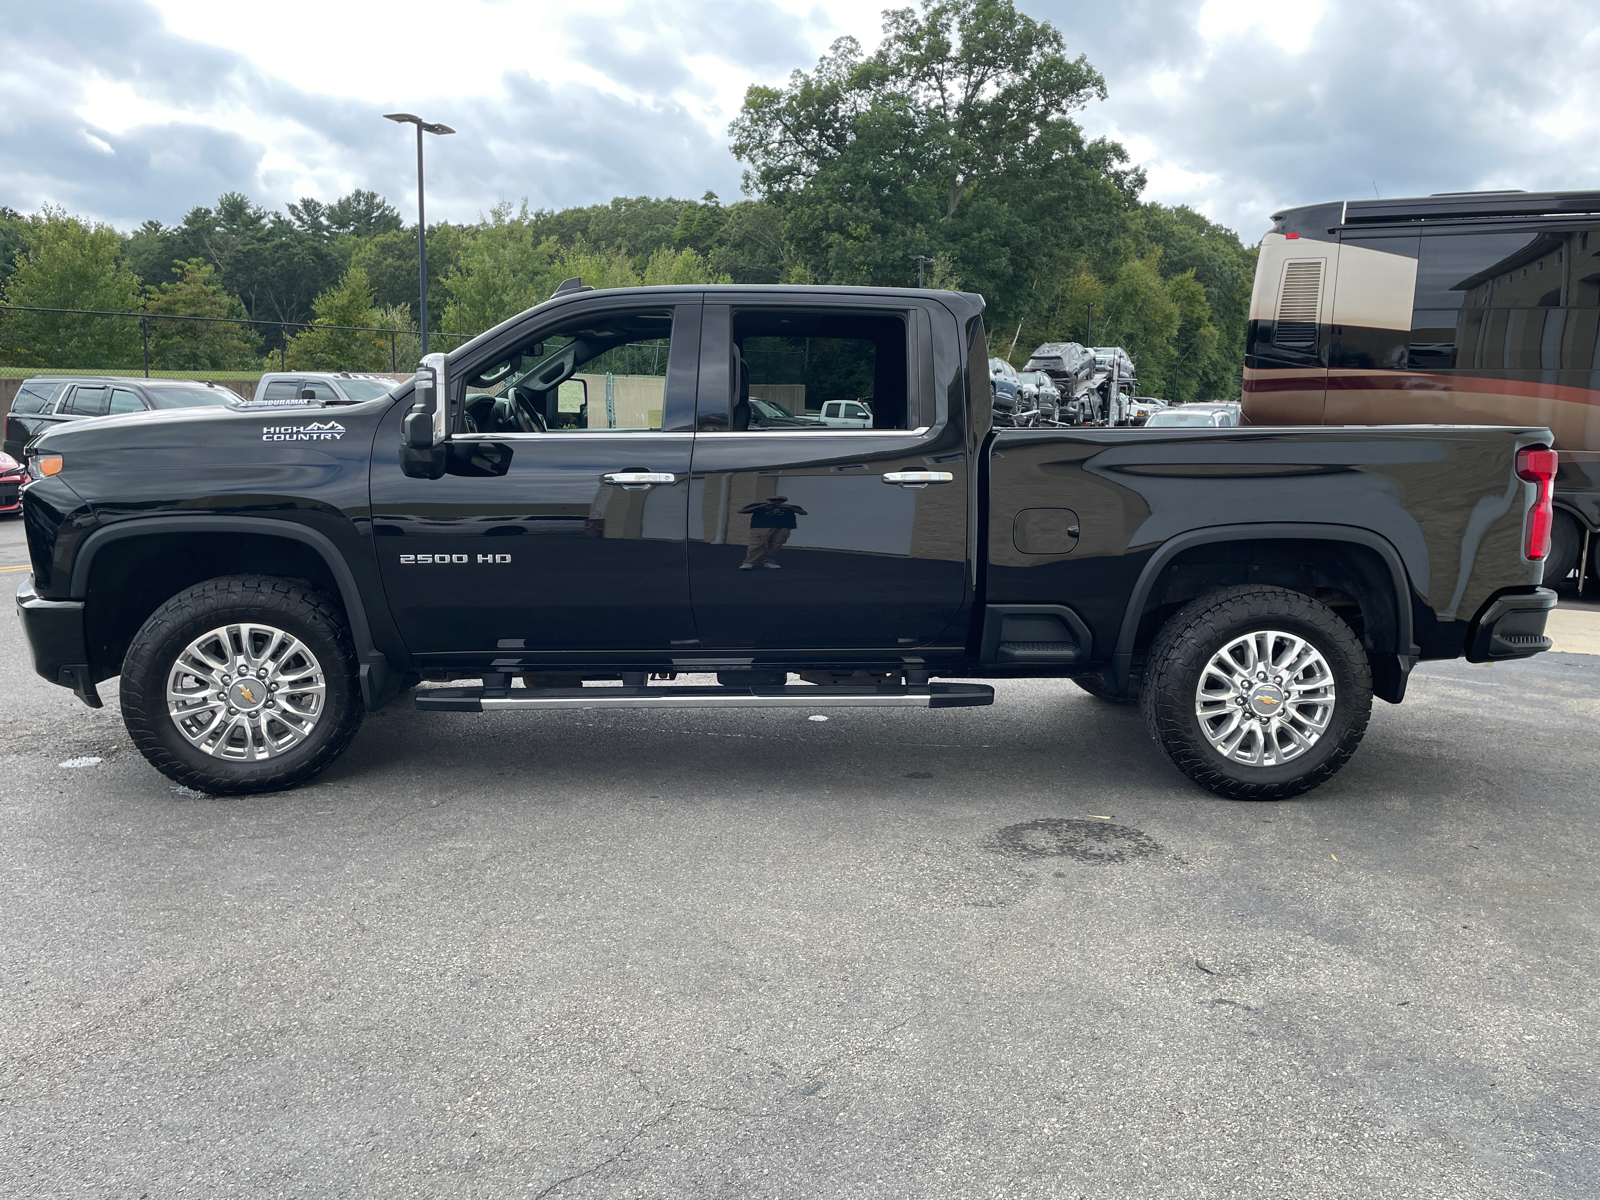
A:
(1511, 626)
(55, 633)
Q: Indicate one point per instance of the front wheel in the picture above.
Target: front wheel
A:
(242, 684)
(1257, 693)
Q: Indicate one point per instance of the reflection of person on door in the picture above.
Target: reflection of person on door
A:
(771, 523)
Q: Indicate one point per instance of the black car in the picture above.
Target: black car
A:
(45, 401)
(1068, 363)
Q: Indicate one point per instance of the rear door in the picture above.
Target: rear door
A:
(823, 539)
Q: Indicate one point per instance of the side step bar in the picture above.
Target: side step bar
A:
(478, 699)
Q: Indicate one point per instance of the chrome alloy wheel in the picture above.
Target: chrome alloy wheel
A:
(1265, 698)
(246, 692)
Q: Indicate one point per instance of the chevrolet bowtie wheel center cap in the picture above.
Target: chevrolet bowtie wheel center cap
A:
(247, 694)
(1266, 700)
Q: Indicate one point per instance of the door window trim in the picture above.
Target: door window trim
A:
(716, 361)
(677, 416)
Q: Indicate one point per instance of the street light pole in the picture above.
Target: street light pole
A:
(922, 260)
(1089, 333)
(422, 217)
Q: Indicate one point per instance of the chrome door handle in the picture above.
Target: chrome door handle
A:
(637, 481)
(917, 479)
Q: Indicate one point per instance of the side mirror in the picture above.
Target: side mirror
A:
(306, 394)
(572, 403)
(425, 428)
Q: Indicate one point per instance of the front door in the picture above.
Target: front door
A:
(558, 531)
(812, 537)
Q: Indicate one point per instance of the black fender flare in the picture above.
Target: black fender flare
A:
(1406, 650)
(379, 681)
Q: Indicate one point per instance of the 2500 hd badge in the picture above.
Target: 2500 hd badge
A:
(439, 560)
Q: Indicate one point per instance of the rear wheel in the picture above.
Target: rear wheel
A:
(1257, 693)
(242, 684)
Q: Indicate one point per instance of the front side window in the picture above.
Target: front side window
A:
(792, 367)
(601, 372)
(124, 401)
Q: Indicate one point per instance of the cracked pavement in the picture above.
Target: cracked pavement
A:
(1002, 952)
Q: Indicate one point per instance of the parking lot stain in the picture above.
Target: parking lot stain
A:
(1085, 841)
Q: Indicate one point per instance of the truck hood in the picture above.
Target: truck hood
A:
(212, 426)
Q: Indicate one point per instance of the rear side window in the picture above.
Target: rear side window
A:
(36, 397)
(124, 401)
(88, 401)
(282, 389)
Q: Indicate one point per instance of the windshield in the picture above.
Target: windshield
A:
(190, 397)
(767, 410)
(366, 389)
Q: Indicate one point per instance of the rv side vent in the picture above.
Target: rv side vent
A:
(1299, 305)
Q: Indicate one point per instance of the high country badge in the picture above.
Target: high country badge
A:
(317, 431)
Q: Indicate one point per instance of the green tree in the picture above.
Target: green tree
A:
(507, 267)
(1194, 342)
(956, 136)
(499, 271)
(637, 225)
(280, 271)
(1141, 317)
(390, 261)
(338, 339)
(68, 263)
(13, 233)
(198, 345)
(403, 351)
(363, 214)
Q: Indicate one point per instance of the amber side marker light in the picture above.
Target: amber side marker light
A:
(49, 465)
(1537, 464)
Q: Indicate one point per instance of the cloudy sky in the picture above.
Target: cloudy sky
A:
(129, 109)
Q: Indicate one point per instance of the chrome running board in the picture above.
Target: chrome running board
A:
(479, 699)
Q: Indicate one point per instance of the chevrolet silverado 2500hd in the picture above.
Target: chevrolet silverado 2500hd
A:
(577, 507)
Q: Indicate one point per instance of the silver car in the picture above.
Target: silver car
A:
(340, 387)
(1195, 416)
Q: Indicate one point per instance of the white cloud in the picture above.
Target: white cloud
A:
(127, 109)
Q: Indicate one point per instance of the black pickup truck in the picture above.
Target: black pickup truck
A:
(576, 508)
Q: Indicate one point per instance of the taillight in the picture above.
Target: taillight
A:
(1537, 464)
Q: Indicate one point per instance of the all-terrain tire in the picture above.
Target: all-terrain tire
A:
(1188, 642)
(262, 600)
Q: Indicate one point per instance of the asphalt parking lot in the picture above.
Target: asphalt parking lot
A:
(1003, 952)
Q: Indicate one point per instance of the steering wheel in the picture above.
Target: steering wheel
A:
(526, 415)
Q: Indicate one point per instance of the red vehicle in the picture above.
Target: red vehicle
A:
(12, 476)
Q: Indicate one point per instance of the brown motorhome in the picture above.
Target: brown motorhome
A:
(1463, 308)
